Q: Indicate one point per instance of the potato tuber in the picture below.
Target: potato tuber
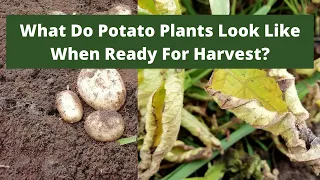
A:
(104, 125)
(69, 106)
(102, 89)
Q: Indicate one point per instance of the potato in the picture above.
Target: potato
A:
(56, 13)
(104, 125)
(102, 89)
(69, 106)
(120, 9)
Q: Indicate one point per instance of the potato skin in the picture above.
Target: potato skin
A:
(102, 89)
(57, 13)
(120, 9)
(104, 125)
(69, 106)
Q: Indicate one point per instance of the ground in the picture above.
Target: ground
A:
(34, 142)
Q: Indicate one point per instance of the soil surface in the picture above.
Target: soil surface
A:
(295, 171)
(34, 142)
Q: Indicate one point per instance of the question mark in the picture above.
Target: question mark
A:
(266, 52)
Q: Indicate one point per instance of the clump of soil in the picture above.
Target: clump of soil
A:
(34, 142)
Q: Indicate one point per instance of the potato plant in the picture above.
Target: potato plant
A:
(260, 99)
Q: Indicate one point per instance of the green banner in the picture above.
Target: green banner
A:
(79, 41)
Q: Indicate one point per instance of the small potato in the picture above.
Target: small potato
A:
(104, 125)
(69, 106)
(120, 9)
(56, 13)
(102, 89)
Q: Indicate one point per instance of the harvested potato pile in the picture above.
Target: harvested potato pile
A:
(102, 89)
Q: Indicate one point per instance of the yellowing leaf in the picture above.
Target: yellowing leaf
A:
(250, 84)
(162, 118)
(307, 72)
(168, 7)
(196, 128)
(158, 105)
(317, 64)
(318, 103)
(140, 76)
(268, 114)
(148, 81)
(148, 5)
(183, 153)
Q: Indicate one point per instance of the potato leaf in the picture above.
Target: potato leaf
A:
(246, 84)
(265, 111)
(148, 5)
(219, 7)
(196, 128)
(158, 105)
(148, 81)
(183, 153)
(216, 171)
(168, 7)
(162, 120)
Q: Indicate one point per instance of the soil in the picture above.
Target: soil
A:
(34, 142)
(295, 171)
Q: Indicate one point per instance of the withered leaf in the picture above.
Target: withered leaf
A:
(303, 145)
(162, 121)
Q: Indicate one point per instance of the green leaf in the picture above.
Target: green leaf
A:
(195, 77)
(128, 140)
(302, 87)
(197, 93)
(249, 147)
(216, 171)
(264, 147)
(264, 10)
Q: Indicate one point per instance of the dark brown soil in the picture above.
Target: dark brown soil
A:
(295, 171)
(34, 142)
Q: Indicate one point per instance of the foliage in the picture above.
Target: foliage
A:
(163, 7)
(254, 107)
(269, 95)
(162, 120)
